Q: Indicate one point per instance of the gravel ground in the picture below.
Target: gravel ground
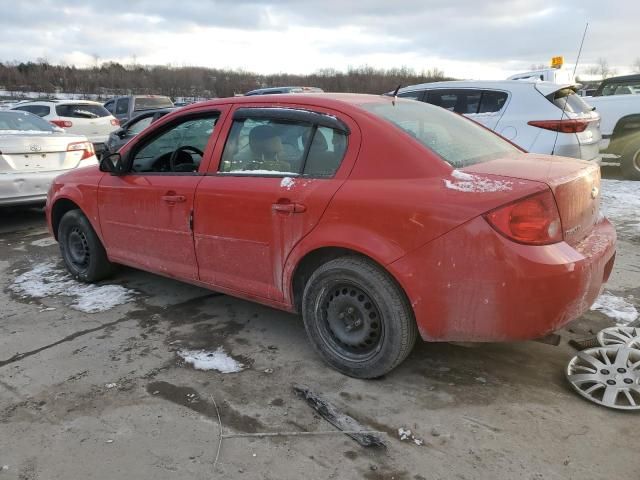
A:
(105, 392)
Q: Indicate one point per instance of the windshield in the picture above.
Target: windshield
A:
(23, 122)
(147, 103)
(81, 110)
(459, 141)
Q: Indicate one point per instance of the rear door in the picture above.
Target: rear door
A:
(146, 214)
(493, 104)
(276, 174)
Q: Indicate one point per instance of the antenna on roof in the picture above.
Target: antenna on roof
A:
(566, 100)
(395, 93)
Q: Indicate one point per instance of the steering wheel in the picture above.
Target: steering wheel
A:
(184, 148)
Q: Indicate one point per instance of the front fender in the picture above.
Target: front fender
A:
(83, 195)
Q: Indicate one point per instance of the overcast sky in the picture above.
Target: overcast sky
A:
(466, 38)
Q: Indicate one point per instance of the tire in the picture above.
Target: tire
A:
(357, 318)
(81, 249)
(630, 161)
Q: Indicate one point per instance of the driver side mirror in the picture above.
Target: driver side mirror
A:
(121, 132)
(112, 163)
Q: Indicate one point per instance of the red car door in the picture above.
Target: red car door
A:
(146, 214)
(277, 172)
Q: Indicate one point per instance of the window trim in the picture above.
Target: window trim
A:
(151, 136)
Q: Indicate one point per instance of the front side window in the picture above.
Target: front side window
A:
(262, 146)
(39, 110)
(457, 140)
(177, 150)
(109, 105)
(122, 107)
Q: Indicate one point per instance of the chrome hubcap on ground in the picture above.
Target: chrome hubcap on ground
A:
(619, 336)
(608, 376)
(351, 323)
(78, 248)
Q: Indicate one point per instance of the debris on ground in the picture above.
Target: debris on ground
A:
(338, 419)
(217, 360)
(406, 434)
(111, 385)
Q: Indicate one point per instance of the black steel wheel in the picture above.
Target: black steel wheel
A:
(357, 317)
(81, 249)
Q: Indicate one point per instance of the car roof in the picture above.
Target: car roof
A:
(622, 78)
(62, 102)
(544, 87)
(278, 89)
(336, 101)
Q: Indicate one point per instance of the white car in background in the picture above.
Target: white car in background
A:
(32, 153)
(540, 117)
(81, 117)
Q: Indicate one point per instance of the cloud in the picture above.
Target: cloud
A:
(469, 37)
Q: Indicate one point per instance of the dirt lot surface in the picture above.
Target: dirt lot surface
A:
(106, 395)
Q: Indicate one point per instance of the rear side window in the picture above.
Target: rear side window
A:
(415, 95)
(136, 127)
(459, 101)
(622, 88)
(282, 147)
(122, 106)
(457, 140)
(492, 101)
(573, 102)
(39, 110)
(147, 103)
(79, 110)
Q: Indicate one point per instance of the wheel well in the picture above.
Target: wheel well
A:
(626, 130)
(61, 207)
(314, 259)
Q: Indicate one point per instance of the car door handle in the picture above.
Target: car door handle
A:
(174, 198)
(289, 207)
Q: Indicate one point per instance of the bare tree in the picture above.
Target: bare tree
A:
(602, 68)
(636, 65)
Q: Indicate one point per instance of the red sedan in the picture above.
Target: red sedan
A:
(376, 219)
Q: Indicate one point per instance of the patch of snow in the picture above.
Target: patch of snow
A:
(44, 242)
(465, 182)
(217, 360)
(47, 280)
(615, 307)
(288, 183)
(460, 175)
(404, 433)
(620, 202)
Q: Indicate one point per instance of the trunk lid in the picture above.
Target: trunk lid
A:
(43, 152)
(575, 185)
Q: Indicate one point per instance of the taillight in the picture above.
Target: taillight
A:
(563, 126)
(86, 147)
(534, 220)
(115, 122)
(61, 123)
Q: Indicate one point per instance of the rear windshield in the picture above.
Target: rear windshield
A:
(574, 103)
(19, 122)
(458, 140)
(81, 110)
(147, 103)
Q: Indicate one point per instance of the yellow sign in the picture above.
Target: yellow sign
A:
(557, 62)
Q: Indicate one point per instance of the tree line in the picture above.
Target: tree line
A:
(111, 78)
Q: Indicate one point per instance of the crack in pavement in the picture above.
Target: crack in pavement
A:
(68, 338)
(73, 336)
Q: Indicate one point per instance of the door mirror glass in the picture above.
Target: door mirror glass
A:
(112, 163)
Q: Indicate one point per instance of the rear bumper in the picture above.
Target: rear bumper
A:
(25, 188)
(472, 284)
